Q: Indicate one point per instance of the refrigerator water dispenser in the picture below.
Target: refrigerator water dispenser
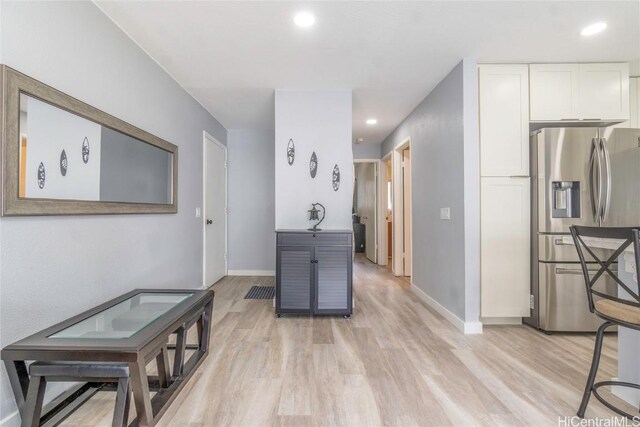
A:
(566, 199)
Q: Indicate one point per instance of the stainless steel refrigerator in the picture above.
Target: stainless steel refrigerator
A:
(581, 176)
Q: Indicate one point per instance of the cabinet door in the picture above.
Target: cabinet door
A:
(604, 91)
(333, 279)
(504, 120)
(505, 247)
(294, 276)
(555, 92)
(634, 102)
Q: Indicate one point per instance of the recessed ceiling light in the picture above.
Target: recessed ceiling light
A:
(594, 29)
(372, 121)
(304, 19)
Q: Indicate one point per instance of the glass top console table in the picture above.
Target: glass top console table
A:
(134, 329)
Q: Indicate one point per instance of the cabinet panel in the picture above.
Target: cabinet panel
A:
(505, 247)
(604, 91)
(333, 282)
(504, 120)
(634, 102)
(555, 92)
(294, 278)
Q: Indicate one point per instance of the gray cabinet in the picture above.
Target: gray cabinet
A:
(314, 272)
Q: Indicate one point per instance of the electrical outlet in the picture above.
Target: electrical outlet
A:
(445, 214)
(198, 213)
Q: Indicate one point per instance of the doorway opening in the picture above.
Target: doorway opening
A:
(401, 209)
(365, 208)
(214, 265)
(387, 207)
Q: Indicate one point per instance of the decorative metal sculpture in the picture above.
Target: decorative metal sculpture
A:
(313, 216)
(291, 152)
(63, 163)
(313, 165)
(41, 175)
(85, 150)
(336, 178)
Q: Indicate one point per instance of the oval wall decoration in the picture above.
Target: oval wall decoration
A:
(41, 176)
(291, 152)
(313, 165)
(336, 178)
(63, 163)
(85, 150)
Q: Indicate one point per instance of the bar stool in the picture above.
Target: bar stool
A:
(613, 310)
(43, 372)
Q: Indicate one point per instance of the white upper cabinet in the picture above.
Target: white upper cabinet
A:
(504, 120)
(634, 102)
(573, 92)
(555, 92)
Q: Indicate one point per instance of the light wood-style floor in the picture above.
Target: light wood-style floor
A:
(394, 363)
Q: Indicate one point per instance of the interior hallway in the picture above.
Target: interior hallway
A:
(395, 362)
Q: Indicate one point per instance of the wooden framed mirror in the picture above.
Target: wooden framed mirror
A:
(61, 156)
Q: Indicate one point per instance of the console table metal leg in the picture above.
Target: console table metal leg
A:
(141, 397)
(19, 380)
(205, 327)
(33, 404)
(123, 399)
(162, 361)
(181, 347)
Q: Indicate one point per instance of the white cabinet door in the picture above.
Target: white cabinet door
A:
(555, 92)
(504, 244)
(504, 120)
(634, 102)
(604, 91)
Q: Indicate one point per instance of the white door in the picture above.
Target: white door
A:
(406, 182)
(215, 211)
(366, 195)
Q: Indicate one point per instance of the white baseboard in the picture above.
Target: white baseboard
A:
(464, 327)
(11, 420)
(251, 273)
(629, 395)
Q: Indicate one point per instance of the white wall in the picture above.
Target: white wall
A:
(56, 267)
(366, 151)
(317, 121)
(251, 174)
(444, 173)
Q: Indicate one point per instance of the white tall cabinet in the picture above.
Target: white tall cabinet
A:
(505, 187)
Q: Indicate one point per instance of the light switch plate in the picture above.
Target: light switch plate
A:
(445, 213)
(198, 213)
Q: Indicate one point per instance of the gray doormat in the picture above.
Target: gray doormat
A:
(261, 292)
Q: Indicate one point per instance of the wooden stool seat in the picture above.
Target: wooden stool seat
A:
(618, 311)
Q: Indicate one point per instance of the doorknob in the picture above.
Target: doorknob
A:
(209, 222)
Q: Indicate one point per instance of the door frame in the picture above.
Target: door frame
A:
(398, 214)
(384, 199)
(207, 137)
(378, 211)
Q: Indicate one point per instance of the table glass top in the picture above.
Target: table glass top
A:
(124, 319)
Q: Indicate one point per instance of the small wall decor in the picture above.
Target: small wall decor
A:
(85, 150)
(313, 165)
(291, 152)
(63, 163)
(336, 178)
(41, 176)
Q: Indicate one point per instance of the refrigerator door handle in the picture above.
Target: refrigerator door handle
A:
(606, 202)
(595, 181)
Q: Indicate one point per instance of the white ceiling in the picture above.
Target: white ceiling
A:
(232, 55)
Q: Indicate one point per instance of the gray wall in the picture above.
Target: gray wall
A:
(55, 267)
(445, 253)
(366, 151)
(251, 200)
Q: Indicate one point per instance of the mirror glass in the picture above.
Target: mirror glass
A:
(64, 156)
